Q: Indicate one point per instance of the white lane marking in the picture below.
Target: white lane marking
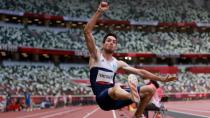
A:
(202, 111)
(189, 113)
(60, 113)
(90, 113)
(37, 114)
(114, 114)
(203, 107)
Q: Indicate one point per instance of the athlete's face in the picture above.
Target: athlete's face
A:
(110, 44)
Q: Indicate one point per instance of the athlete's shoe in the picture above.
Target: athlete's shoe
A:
(133, 82)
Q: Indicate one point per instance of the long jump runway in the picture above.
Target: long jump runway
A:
(189, 109)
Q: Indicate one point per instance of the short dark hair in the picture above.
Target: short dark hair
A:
(109, 34)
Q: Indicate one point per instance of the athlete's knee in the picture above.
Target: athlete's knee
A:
(148, 90)
(112, 91)
(151, 90)
(116, 88)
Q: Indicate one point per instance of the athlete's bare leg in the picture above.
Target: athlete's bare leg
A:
(146, 92)
(117, 93)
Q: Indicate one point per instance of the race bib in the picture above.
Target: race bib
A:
(104, 76)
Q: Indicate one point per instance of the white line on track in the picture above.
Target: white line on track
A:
(90, 113)
(190, 110)
(114, 114)
(60, 113)
(203, 107)
(37, 114)
(189, 113)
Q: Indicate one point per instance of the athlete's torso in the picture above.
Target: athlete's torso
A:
(103, 72)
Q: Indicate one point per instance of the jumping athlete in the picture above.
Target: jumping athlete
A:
(103, 67)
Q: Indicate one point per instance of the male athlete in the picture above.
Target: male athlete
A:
(103, 67)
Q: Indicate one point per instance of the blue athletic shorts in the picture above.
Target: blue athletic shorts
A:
(106, 103)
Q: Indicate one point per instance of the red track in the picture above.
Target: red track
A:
(197, 108)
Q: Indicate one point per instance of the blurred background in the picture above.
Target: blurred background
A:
(43, 55)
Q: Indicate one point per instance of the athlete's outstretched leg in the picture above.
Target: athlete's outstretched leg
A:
(146, 92)
(117, 93)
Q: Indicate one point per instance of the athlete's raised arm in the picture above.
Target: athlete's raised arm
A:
(90, 42)
(144, 73)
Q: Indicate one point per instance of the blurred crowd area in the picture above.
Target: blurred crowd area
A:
(133, 40)
(160, 10)
(48, 79)
(58, 80)
(132, 10)
(42, 80)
